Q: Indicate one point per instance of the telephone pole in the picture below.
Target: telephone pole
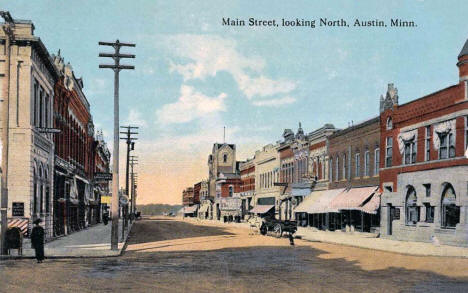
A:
(130, 147)
(133, 162)
(8, 28)
(116, 67)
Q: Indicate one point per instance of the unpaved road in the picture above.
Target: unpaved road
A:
(170, 255)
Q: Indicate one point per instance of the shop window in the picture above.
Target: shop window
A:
(412, 209)
(357, 159)
(450, 216)
(389, 152)
(447, 145)
(429, 213)
(409, 152)
(376, 162)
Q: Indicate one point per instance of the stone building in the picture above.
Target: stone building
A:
(30, 80)
(267, 168)
(423, 164)
(224, 175)
(74, 198)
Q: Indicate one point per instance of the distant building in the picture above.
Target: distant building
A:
(247, 191)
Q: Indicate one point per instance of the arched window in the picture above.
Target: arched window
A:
(231, 191)
(450, 216)
(412, 209)
(389, 123)
(225, 156)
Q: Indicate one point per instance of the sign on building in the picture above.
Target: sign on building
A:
(230, 203)
(17, 209)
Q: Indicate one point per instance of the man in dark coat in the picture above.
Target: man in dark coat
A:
(37, 240)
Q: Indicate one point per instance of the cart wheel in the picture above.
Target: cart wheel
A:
(278, 231)
(263, 229)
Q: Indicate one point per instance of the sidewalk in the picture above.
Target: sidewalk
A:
(90, 242)
(363, 240)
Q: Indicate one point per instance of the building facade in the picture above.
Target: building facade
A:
(29, 78)
(75, 156)
(424, 165)
(247, 191)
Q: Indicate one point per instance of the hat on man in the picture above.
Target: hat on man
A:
(37, 221)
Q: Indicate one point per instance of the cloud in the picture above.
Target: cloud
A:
(189, 106)
(134, 119)
(208, 55)
(275, 102)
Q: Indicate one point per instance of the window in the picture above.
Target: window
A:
(450, 211)
(388, 152)
(344, 166)
(429, 213)
(330, 169)
(366, 163)
(389, 123)
(412, 209)
(225, 156)
(447, 145)
(376, 162)
(357, 159)
(409, 152)
(36, 93)
(466, 133)
(41, 108)
(427, 186)
(230, 191)
(337, 162)
(428, 144)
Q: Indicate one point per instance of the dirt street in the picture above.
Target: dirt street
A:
(171, 255)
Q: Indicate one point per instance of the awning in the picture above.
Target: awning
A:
(300, 191)
(353, 198)
(82, 179)
(308, 202)
(190, 210)
(322, 204)
(22, 224)
(261, 209)
(372, 205)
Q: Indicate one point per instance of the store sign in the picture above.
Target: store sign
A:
(230, 203)
(102, 176)
(18, 209)
(106, 199)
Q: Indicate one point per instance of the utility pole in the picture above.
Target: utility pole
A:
(116, 67)
(130, 147)
(8, 28)
(133, 162)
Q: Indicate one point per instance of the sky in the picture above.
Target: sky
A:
(193, 75)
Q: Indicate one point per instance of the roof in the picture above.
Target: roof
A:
(464, 50)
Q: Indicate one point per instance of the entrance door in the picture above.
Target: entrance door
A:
(218, 212)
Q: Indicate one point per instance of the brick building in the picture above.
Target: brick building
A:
(247, 191)
(101, 188)
(354, 155)
(303, 166)
(74, 152)
(423, 167)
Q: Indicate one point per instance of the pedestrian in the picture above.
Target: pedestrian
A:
(291, 239)
(37, 240)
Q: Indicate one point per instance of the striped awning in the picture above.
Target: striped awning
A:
(308, 202)
(372, 205)
(20, 223)
(353, 198)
